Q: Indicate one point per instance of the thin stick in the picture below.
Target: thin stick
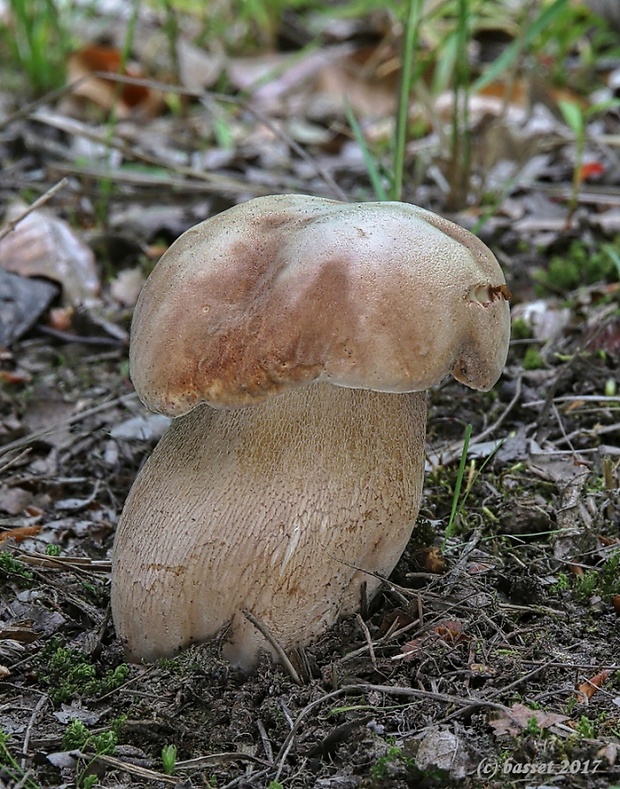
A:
(123, 400)
(264, 630)
(40, 704)
(45, 197)
(387, 689)
(265, 740)
(127, 767)
(371, 649)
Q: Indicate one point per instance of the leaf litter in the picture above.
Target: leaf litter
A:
(503, 638)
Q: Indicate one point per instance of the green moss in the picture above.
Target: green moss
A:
(381, 770)
(604, 581)
(581, 265)
(521, 329)
(68, 673)
(532, 359)
(12, 566)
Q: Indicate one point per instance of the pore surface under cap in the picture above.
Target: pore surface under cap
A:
(284, 290)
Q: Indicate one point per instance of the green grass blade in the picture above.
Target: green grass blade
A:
(370, 160)
(412, 19)
(545, 19)
(459, 483)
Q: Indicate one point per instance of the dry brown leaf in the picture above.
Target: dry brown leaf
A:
(19, 633)
(19, 533)
(430, 560)
(450, 631)
(395, 620)
(411, 649)
(107, 93)
(42, 245)
(518, 718)
(587, 689)
(15, 377)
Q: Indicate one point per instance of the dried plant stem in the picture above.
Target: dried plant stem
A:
(45, 197)
(264, 630)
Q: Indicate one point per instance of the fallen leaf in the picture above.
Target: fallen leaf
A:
(395, 620)
(75, 711)
(587, 689)
(126, 286)
(441, 749)
(141, 428)
(482, 670)
(430, 560)
(590, 170)
(108, 93)
(23, 301)
(15, 377)
(518, 718)
(480, 567)
(608, 752)
(19, 533)
(14, 500)
(450, 631)
(61, 318)
(42, 245)
(19, 633)
(46, 415)
(410, 649)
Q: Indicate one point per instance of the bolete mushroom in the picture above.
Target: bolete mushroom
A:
(291, 337)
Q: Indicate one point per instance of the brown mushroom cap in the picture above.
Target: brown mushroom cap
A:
(284, 290)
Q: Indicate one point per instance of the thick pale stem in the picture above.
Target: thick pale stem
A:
(278, 509)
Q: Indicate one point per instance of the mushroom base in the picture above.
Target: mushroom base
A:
(284, 509)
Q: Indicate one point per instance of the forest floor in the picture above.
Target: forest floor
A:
(489, 658)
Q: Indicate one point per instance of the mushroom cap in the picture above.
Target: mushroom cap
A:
(285, 290)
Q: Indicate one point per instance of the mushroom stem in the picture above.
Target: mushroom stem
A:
(270, 509)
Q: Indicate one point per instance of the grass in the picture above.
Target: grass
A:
(107, 185)
(547, 31)
(11, 766)
(604, 581)
(435, 56)
(39, 42)
(394, 756)
(456, 504)
(411, 22)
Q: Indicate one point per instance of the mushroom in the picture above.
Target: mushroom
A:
(292, 339)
